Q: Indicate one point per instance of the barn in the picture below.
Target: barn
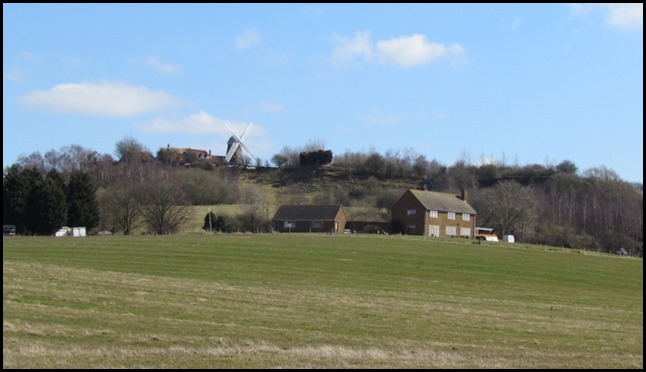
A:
(310, 218)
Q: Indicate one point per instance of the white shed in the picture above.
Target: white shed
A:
(78, 231)
(508, 239)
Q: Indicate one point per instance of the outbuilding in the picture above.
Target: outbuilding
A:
(310, 218)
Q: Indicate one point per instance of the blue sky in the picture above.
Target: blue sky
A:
(523, 84)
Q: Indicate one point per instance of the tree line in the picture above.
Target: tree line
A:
(136, 190)
(40, 203)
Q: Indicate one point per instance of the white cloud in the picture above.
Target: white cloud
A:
(247, 39)
(628, 16)
(624, 16)
(404, 51)
(103, 99)
(156, 64)
(200, 123)
(414, 50)
(204, 125)
(349, 49)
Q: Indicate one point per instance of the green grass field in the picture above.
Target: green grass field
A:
(315, 301)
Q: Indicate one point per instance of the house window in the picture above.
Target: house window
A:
(451, 215)
(290, 224)
(317, 224)
(466, 217)
(410, 229)
(433, 230)
(411, 212)
(450, 230)
(433, 214)
(465, 231)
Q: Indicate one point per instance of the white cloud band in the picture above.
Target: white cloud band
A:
(624, 16)
(414, 50)
(103, 99)
(199, 123)
(406, 51)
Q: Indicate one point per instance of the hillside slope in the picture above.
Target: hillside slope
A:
(315, 180)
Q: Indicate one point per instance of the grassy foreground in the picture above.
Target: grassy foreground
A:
(303, 301)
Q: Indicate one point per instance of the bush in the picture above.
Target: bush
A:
(221, 223)
(318, 157)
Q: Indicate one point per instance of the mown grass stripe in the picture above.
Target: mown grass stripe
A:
(315, 301)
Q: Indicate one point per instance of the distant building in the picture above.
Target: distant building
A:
(8, 230)
(183, 155)
(432, 213)
(310, 218)
(71, 231)
(486, 233)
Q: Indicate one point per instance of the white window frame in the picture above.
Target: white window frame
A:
(465, 231)
(450, 215)
(466, 217)
(433, 230)
(411, 212)
(451, 231)
(289, 224)
(433, 214)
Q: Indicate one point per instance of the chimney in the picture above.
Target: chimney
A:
(464, 195)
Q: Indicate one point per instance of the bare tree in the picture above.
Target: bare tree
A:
(286, 158)
(164, 207)
(255, 216)
(507, 207)
(71, 158)
(34, 160)
(120, 208)
(128, 149)
(313, 145)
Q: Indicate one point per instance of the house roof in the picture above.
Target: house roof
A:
(307, 212)
(180, 150)
(441, 201)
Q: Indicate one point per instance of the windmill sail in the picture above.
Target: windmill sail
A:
(235, 143)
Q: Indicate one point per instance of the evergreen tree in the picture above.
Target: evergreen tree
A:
(46, 208)
(16, 186)
(209, 222)
(83, 208)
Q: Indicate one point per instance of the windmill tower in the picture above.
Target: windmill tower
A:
(235, 146)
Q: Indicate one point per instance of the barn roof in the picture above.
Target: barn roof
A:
(441, 201)
(307, 212)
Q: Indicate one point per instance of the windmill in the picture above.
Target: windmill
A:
(235, 146)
